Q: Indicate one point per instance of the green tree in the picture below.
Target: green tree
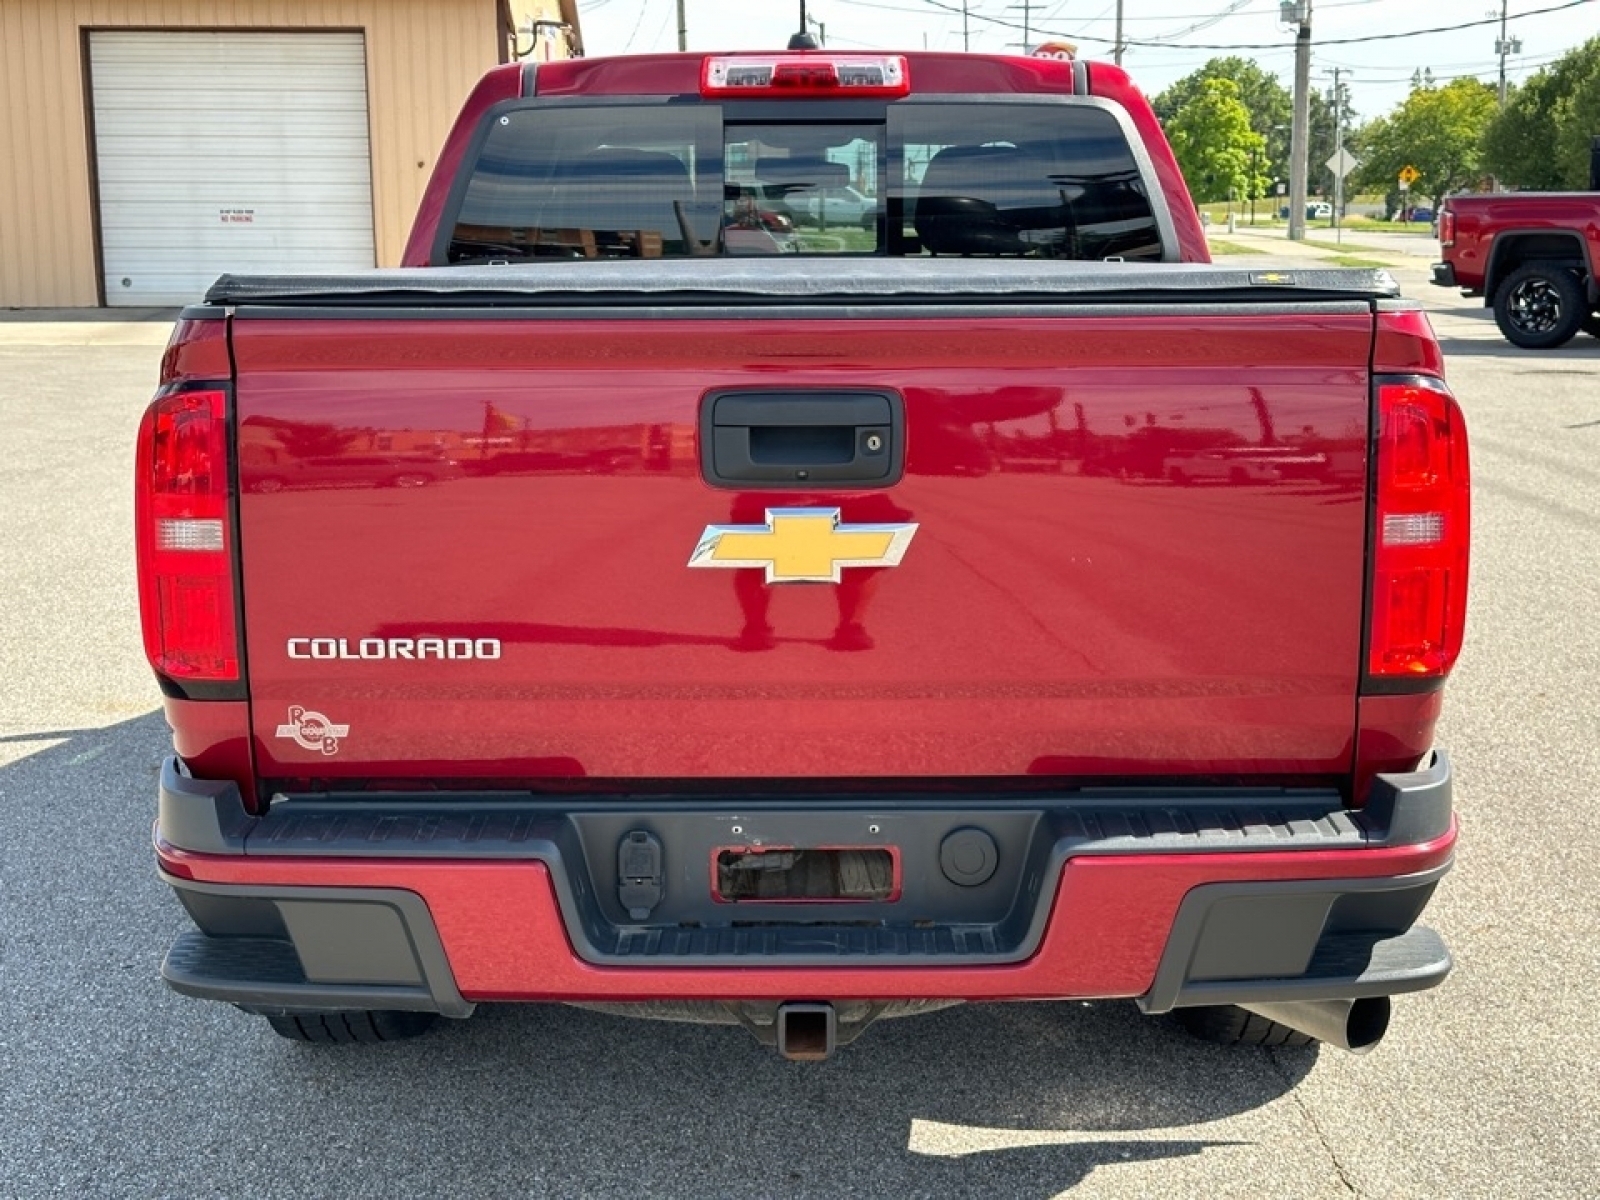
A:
(1214, 143)
(1580, 124)
(1438, 130)
(1271, 108)
(1540, 140)
(1268, 102)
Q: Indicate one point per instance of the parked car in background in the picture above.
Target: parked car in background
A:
(1316, 210)
(833, 206)
(347, 470)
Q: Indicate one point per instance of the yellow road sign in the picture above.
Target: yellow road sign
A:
(1409, 175)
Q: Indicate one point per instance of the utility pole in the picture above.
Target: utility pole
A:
(1116, 52)
(1299, 135)
(1505, 46)
(966, 39)
(1027, 23)
(683, 28)
(1500, 49)
(1338, 154)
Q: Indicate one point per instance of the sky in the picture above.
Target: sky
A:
(1377, 72)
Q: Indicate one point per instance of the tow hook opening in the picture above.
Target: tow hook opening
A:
(807, 1032)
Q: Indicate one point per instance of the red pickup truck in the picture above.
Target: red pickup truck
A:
(783, 647)
(1531, 256)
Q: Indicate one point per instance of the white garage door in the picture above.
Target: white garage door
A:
(238, 152)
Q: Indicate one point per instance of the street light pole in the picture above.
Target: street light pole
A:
(1299, 137)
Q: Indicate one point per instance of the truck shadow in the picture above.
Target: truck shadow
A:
(1009, 1100)
(1015, 1100)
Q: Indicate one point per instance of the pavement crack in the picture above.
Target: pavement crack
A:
(1316, 1126)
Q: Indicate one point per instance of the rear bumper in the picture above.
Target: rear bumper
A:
(1444, 275)
(1172, 898)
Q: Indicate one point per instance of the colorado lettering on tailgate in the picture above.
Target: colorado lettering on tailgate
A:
(411, 649)
(930, 579)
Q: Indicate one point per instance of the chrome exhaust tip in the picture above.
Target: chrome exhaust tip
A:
(1353, 1025)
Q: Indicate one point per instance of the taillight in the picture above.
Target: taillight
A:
(1447, 228)
(814, 74)
(1421, 532)
(185, 538)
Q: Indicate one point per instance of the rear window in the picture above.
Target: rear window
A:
(1050, 180)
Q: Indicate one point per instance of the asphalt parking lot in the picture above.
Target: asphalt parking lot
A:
(112, 1086)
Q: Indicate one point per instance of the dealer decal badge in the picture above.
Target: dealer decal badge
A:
(313, 731)
(803, 545)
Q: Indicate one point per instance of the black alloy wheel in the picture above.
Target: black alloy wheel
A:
(1540, 306)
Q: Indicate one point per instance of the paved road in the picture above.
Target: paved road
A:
(110, 1086)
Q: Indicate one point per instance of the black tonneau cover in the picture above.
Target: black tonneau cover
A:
(768, 282)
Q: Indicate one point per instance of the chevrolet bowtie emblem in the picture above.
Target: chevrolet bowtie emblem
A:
(802, 545)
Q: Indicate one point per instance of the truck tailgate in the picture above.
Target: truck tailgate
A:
(1139, 547)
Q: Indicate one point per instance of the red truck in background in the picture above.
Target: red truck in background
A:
(1531, 256)
(771, 654)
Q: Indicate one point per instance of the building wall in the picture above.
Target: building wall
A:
(557, 39)
(423, 56)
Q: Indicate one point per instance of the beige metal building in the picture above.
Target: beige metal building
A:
(148, 145)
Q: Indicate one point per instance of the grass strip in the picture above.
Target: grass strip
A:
(1342, 247)
(1222, 246)
(1350, 260)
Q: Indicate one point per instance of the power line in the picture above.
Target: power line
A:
(1208, 22)
(1104, 17)
(1152, 44)
(1465, 69)
(1371, 37)
(644, 7)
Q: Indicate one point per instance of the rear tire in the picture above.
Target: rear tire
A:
(1233, 1026)
(1540, 306)
(344, 1028)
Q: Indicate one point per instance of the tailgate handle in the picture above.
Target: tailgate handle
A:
(802, 438)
